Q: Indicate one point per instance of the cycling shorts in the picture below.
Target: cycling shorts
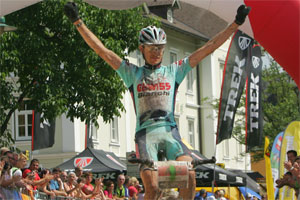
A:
(150, 141)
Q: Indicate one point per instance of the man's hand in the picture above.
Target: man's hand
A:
(71, 11)
(241, 14)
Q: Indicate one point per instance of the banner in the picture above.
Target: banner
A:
(42, 132)
(290, 141)
(234, 79)
(269, 178)
(254, 125)
(275, 160)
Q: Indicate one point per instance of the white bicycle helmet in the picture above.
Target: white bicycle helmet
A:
(152, 35)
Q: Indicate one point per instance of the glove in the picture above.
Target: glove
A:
(71, 11)
(241, 14)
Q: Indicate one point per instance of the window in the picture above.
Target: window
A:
(190, 81)
(221, 65)
(24, 122)
(173, 57)
(191, 132)
(177, 121)
(226, 148)
(114, 132)
(170, 15)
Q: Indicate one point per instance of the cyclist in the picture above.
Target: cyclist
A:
(153, 88)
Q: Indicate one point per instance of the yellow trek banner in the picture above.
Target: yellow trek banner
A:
(269, 177)
(290, 141)
(232, 193)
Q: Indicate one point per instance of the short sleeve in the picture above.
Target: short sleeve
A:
(183, 67)
(127, 72)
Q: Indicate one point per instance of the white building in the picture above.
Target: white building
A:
(194, 119)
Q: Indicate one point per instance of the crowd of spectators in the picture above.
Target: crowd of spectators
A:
(33, 180)
(292, 177)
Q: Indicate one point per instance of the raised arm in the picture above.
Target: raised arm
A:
(220, 38)
(109, 56)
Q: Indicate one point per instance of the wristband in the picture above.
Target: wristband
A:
(78, 25)
(291, 168)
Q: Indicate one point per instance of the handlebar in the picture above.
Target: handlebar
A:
(205, 161)
(141, 161)
(150, 163)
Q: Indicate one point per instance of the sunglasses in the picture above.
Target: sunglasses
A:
(153, 48)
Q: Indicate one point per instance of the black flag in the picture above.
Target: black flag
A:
(233, 83)
(253, 106)
(42, 132)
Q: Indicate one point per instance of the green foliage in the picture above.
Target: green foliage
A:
(280, 104)
(56, 69)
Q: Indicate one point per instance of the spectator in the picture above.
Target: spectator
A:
(121, 191)
(56, 184)
(10, 157)
(97, 191)
(3, 150)
(109, 191)
(45, 187)
(33, 167)
(64, 176)
(290, 177)
(248, 196)
(132, 189)
(6, 179)
(222, 194)
(291, 155)
(215, 196)
(294, 169)
(201, 195)
(78, 171)
(29, 178)
(16, 170)
(70, 185)
(141, 192)
(126, 184)
(15, 159)
(88, 188)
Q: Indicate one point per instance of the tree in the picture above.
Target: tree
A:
(48, 63)
(280, 104)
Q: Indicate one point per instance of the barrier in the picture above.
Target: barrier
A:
(16, 195)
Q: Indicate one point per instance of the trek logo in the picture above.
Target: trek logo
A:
(255, 61)
(151, 87)
(83, 161)
(244, 42)
(45, 122)
(201, 175)
(254, 102)
(235, 85)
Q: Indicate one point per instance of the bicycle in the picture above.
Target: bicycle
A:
(171, 174)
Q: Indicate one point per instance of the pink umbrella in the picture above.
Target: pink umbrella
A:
(273, 23)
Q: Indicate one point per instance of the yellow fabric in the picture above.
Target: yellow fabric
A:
(232, 193)
(187, 144)
(290, 141)
(269, 178)
(25, 197)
